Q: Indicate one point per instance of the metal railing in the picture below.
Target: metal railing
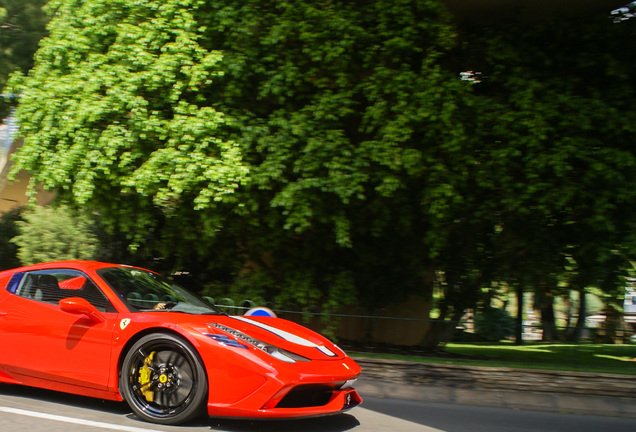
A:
(409, 334)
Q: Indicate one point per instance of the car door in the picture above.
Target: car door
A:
(39, 340)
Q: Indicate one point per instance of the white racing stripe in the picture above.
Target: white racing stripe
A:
(72, 420)
(290, 337)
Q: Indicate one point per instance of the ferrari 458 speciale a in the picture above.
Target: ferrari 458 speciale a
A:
(124, 333)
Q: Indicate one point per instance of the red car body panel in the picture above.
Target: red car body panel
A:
(43, 345)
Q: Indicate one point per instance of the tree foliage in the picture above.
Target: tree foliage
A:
(54, 234)
(303, 149)
(556, 130)
(113, 118)
(8, 230)
(22, 25)
(325, 152)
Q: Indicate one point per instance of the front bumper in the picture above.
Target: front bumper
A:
(310, 389)
(339, 401)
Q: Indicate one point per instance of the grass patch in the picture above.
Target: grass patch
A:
(617, 359)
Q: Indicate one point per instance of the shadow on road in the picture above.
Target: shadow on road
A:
(336, 423)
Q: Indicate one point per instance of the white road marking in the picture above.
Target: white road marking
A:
(369, 421)
(72, 420)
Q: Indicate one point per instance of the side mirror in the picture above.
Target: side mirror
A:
(79, 306)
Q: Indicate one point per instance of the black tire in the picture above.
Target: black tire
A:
(163, 380)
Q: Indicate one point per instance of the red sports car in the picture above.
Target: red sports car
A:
(124, 333)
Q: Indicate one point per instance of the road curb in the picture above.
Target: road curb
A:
(593, 394)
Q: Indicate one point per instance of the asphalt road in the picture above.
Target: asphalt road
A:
(463, 418)
(25, 409)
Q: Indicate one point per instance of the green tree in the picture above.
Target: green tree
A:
(8, 230)
(557, 128)
(54, 234)
(346, 119)
(22, 25)
(113, 118)
(323, 152)
(315, 148)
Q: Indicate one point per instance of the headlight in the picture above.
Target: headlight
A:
(274, 351)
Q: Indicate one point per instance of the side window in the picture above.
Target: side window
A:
(51, 286)
(14, 282)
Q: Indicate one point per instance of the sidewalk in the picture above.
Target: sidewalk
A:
(555, 391)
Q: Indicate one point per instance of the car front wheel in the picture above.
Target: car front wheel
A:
(163, 380)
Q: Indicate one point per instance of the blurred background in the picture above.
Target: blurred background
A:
(403, 176)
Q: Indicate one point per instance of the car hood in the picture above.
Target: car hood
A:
(278, 332)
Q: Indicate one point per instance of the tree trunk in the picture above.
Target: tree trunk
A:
(548, 322)
(610, 331)
(580, 322)
(545, 303)
(519, 323)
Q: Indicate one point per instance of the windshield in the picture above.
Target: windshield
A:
(144, 291)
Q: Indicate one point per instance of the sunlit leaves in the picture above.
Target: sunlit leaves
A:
(54, 234)
(112, 111)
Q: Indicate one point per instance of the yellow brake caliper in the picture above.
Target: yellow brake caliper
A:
(145, 373)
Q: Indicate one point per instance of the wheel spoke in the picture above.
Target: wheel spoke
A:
(164, 401)
(172, 399)
(174, 357)
(181, 362)
(182, 393)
